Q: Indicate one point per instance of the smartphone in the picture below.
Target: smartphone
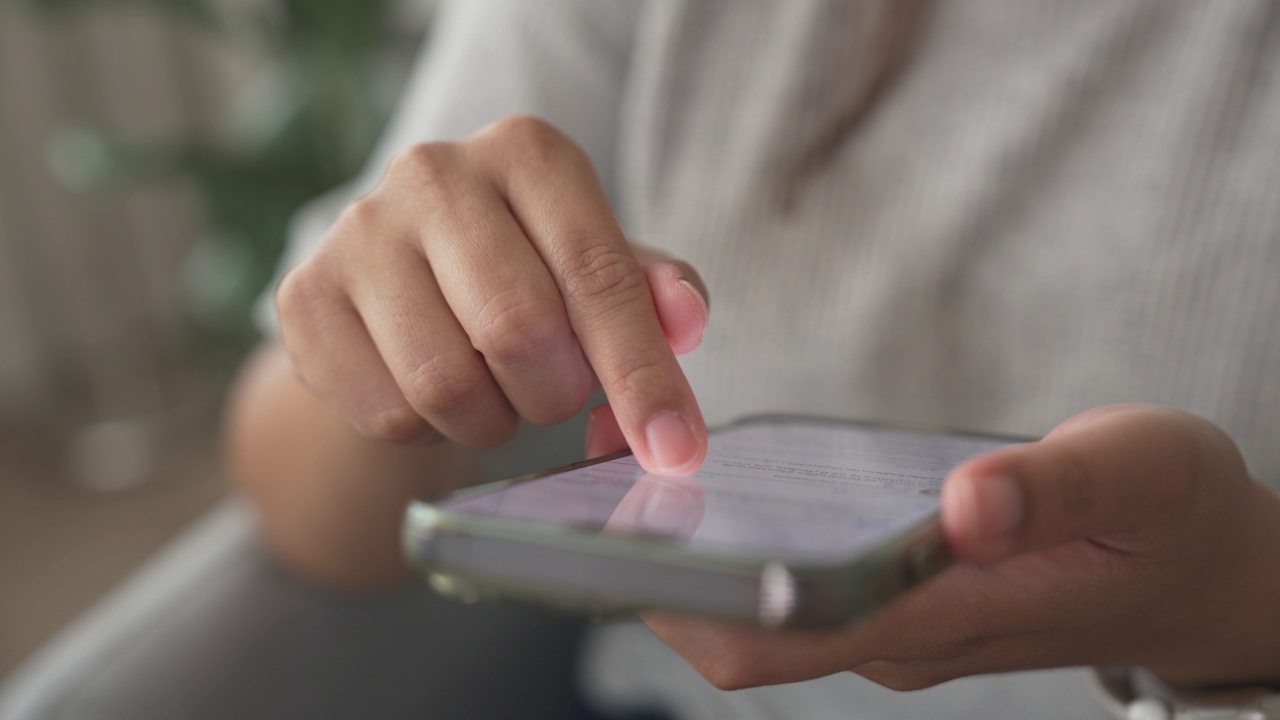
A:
(790, 522)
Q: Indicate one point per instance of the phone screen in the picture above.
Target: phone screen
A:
(791, 489)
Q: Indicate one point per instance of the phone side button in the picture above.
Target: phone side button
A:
(777, 594)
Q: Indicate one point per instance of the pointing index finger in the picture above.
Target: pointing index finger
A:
(554, 193)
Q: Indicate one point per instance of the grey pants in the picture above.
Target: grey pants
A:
(213, 629)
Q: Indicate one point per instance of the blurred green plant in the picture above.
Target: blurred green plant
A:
(323, 111)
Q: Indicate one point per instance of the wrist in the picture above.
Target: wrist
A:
(329, 501)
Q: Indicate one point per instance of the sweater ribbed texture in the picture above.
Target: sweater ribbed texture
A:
(1060, 204)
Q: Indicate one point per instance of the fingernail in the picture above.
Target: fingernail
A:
(693, 289)
(998, 505)
(671, 511)
(672, 446)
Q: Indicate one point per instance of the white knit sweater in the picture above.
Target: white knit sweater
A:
(1061, 204)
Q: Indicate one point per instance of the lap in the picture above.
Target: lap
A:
(213, 629)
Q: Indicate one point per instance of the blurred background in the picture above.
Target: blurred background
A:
(151, 154)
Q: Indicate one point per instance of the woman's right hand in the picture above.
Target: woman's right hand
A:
(488, 279)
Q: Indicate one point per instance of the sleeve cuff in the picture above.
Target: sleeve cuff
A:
(1137, 695)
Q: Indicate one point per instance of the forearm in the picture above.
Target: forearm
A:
(328, 499)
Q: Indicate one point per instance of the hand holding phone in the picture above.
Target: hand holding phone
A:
(1129, 536)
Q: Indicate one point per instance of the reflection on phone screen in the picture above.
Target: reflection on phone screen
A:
(808, 490)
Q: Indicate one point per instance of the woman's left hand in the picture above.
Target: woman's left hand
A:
(1130, 535)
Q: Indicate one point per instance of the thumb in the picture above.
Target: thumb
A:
(1107, 473)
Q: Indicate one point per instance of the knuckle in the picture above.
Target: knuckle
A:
(519, 326)
(362, 216)
(446, 384)
(1186, 451)
(602, 274)
(424, 166)
(531, 135)
(1225, 453)
(398, 424)
(300, 294)
(1201, 442)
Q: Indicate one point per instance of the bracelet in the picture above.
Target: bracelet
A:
(1137, 695)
